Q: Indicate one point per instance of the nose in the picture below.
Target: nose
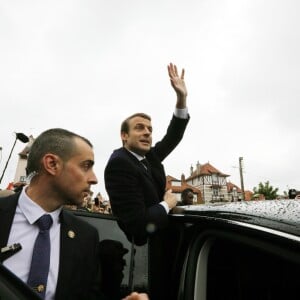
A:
(147, 131)
(93, 179)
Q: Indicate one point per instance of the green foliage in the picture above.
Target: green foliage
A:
(267, 190)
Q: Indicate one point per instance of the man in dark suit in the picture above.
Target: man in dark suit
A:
(60, 168)
(136, 188)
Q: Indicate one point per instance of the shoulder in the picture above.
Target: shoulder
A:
(9, 202)
(120, 153)
(121, 158)
(72, 221)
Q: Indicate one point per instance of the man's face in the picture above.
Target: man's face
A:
(139, 136)
(190, 198)
(76, 176)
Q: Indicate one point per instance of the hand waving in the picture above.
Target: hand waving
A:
(177, 81)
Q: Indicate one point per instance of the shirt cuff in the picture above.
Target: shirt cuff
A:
(165, 206)
(181, 113)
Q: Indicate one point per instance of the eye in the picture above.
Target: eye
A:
(86, 165)
(139, 126)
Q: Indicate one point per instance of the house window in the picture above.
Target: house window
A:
(215, 192)
(214, 178)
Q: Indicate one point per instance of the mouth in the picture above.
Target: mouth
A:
(145, 142)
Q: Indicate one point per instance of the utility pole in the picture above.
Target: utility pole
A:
(241, 176)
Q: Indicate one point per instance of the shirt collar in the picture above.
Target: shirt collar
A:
(139, 157)
(33, 211)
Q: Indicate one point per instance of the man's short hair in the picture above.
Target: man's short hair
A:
(125, 123)
(57, 141)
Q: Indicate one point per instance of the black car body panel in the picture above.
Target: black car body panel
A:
(283, 215)
(12, 288)
(243, 250)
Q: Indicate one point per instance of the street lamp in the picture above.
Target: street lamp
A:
(21, 137)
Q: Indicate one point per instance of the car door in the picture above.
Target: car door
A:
(12, 288)
(228, 260)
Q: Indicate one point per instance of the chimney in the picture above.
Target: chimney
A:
(198, 167)
(182, 178)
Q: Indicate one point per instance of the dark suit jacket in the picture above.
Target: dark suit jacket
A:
(134, 192)
(79, 262)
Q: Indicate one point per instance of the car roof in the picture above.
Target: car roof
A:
(283, 215)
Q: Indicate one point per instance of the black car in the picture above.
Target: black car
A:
(242, 250)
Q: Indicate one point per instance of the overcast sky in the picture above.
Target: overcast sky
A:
(86, 65)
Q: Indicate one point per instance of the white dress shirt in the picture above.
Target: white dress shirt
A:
(181, 113)
(24, 232)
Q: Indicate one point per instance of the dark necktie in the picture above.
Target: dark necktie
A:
(146, 164)
(40, 262)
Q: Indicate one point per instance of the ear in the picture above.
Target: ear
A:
(124, 136)
(51, 163)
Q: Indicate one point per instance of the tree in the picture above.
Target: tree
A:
(267, 190)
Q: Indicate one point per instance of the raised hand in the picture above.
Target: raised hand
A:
(177, 81)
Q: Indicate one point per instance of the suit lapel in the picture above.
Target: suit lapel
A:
(158, 173)
(7, 211)
(67, 248)
(147, 172)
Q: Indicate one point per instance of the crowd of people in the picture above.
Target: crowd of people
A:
(97, 204)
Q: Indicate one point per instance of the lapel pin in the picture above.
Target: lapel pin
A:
(71, 234)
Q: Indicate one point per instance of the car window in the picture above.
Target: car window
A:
(227, 268)
(135, 272)
(245, 272)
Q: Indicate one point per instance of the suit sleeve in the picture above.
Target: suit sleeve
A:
(172, 137)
